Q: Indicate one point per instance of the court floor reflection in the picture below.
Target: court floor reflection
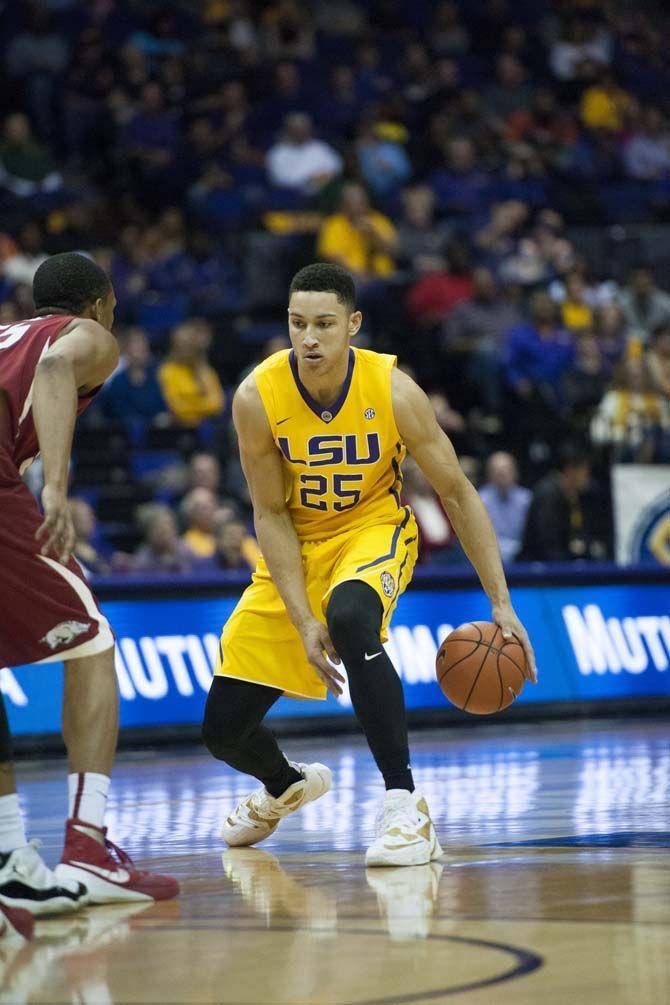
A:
(300, 920)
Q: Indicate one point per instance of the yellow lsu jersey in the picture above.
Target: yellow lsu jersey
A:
(341, 462)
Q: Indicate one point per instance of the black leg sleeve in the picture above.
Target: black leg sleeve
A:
(354, 617)
(233, 732)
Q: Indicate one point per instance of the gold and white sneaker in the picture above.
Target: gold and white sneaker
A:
(405, 834)
(407, 898)
(258, 815)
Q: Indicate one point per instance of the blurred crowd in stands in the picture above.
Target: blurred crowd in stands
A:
(495, 175)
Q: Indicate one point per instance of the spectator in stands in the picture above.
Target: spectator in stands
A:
(506, 502)
(191, 387)
(204, 472)
(511, 91)
(162, 550)
(199, 512)
(646, 155)
(422, 238)
(436, 535)
(498, 239)
(133, 396)
(341, 103)
(287, 31)
(448, 34)
(300, 161)
(583, 43)
(576, 312)
(150, 142)
(87, 547)
(22, 266)
(633, 419)
(605, 105)
(359, 238)
(37, 57)
(611, 332)
(538, 353)
(658, 359)
(432, 298)
(586, 381)
(236, 548)
(382, 159)
(461, 187)
(645, 306)
(554, 530)
(26, 166)
(476, 328)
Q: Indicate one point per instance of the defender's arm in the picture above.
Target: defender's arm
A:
(78, 362)
(276, 534)
(432, 450)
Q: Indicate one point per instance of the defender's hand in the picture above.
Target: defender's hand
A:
(56, 532)
(316, 640)
(505, 617)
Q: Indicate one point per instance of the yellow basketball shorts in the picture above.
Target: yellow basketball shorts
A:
(259, 641)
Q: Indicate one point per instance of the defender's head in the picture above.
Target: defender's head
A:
(322, 315)
(73, 284)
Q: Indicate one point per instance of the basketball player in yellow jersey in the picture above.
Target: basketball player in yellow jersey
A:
(322, 431)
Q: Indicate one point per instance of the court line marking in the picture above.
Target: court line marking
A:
(527, 960)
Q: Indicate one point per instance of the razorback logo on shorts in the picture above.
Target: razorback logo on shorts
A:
(388, 584)
(63, 633)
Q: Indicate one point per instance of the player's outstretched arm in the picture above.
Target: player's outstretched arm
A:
(432, 450)
(78, 362)
(274, 528)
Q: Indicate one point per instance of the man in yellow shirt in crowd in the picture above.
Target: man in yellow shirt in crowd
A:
(190, 385)
(358, 238)
(605, 105)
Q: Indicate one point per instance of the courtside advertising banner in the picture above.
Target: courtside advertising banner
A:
(641, 495)
(593, 643)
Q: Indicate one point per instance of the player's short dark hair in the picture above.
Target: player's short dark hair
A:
(70, 282)
(323, 277)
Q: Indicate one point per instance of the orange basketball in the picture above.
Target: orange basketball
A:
(478, 670)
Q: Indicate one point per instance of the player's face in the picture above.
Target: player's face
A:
(320, 329)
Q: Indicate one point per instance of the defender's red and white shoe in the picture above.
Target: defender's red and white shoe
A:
(15, 923)
(108, 873)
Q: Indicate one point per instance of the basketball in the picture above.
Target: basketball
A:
(478, 670)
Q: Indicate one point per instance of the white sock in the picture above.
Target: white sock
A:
(87, 797)
(12, 833)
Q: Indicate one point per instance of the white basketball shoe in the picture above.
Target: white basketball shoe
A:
(27, 883)
(258, 814)
(404, 834)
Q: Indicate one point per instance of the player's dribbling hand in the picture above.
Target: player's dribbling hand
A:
(316, 640)
(56, 532)
(507, 619)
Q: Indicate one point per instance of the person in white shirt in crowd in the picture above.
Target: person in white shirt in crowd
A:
(21, 266)
(506, 502)
(300, 161)
(645, 307)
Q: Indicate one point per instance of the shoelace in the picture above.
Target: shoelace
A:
(396, 814)
(261, 801)
(122, 856)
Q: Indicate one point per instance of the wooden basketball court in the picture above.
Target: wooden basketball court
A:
(555, 887)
